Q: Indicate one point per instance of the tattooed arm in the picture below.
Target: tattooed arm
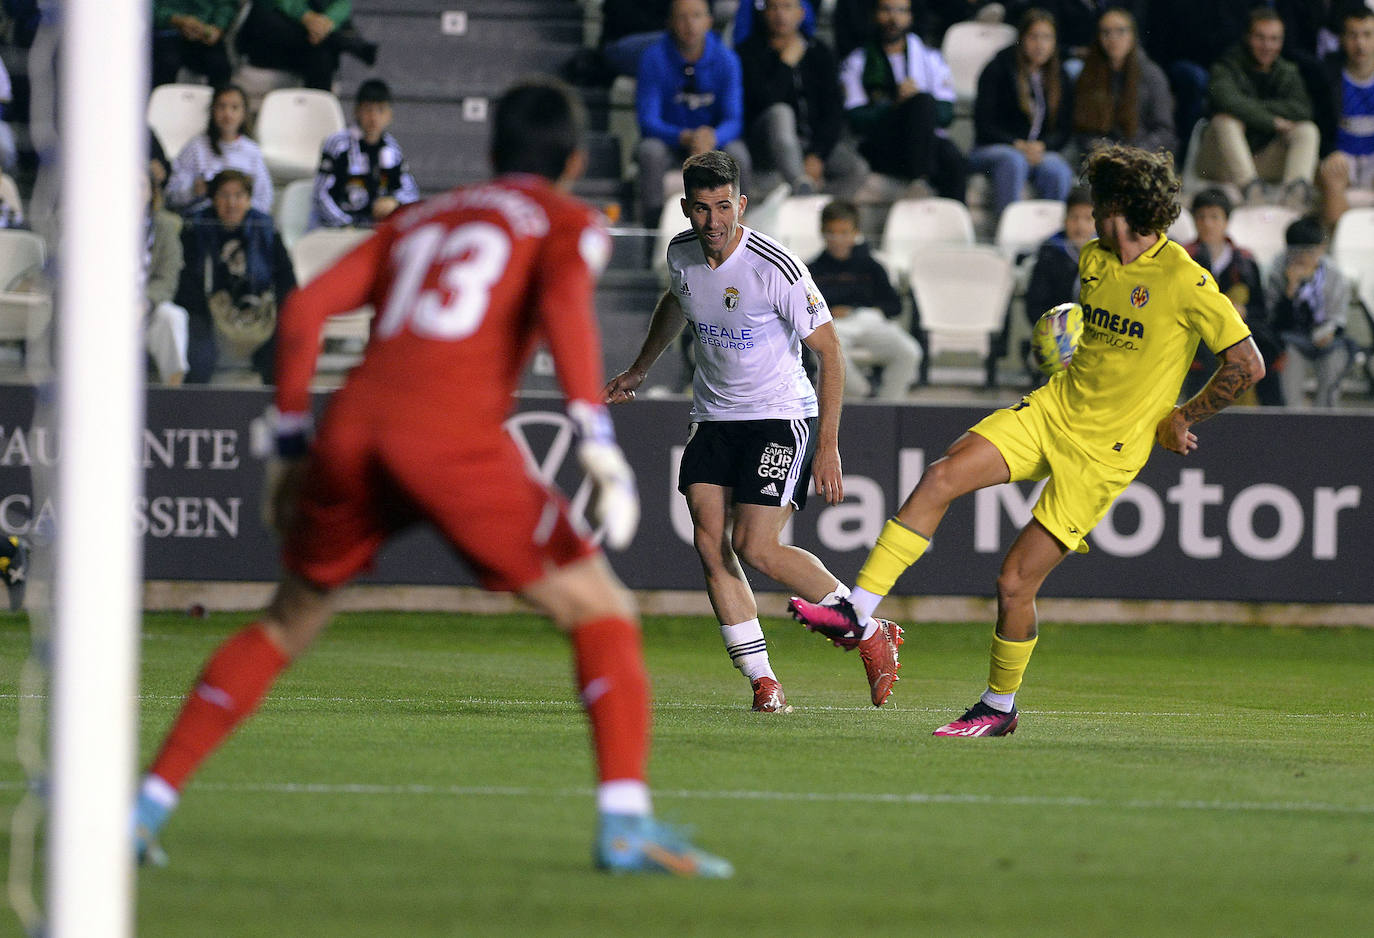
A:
(1241, 366)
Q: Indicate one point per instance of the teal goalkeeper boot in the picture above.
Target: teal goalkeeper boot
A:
(629, 844)
(149, 817)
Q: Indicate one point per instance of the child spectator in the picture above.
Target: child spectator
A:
(363, 176)
(1309, 299)
(1054, 273)
(864, 306)
(224, 145)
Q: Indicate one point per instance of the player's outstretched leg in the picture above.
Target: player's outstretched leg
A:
(640, 844)
(877, 643)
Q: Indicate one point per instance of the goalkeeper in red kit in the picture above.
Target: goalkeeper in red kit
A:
(464, 285)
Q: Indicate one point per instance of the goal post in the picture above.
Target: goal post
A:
(98, 565)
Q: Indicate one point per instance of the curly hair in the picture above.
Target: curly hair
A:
(1136, 183)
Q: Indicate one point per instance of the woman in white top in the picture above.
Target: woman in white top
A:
(224, 145)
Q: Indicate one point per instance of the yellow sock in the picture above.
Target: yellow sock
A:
(898, 547)
(1008, 667)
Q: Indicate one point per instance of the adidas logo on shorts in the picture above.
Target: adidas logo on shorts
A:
(770, 489)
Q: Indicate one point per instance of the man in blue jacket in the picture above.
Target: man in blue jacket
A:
(690, 99)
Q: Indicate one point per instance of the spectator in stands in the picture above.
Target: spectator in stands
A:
(167, 323)
(159, 167)
(236, 273)
(304, 37)
(864, 305)
(1308, 299)
(1023, 117)
(190, 34)
(1054, 273)
(1121, 95)
(1346, 114)
(749, 10)
(363, 176)
(1187, 55)
(1077, 22)
(224, 145)
(1237, 274)
(899, 97)
(690, 99)
(1261, 130)
(792, 105)
(9, 151)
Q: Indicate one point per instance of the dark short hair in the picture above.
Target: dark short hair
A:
(1136, 183)
(840, 210)
(1078, 195)
(229, 175)
(1306, 232)
(1354, 11)
(1213, 198)
(538, 124)
(710, 170)
(1262, 14)
(373, 91)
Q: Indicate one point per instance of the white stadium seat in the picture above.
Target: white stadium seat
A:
(312, 254)
(1184, 229)
(914, 223)
(798, 225)
(963, 293)
(292, 127)
(968, 47)
(177, 113)
(1027, 223)
(1260, 230)
(291, 210)
(24, 315)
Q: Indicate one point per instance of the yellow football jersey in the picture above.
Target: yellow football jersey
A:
(1141, 325)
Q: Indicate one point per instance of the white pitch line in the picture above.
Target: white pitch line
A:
(886, 798)
(728, 707)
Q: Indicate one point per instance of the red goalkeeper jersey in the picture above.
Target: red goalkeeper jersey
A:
(464, 285)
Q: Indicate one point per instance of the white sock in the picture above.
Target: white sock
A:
(1003, 702)
(747, 649)
(834, 596)
(157, 790)
(865, 604)
(624, 796)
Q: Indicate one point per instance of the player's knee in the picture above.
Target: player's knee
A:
(757, 550)
(1014, 588)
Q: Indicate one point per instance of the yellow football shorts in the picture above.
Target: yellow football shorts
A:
(1080, 489)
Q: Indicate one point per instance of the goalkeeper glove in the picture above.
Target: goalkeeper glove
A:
(616, 506)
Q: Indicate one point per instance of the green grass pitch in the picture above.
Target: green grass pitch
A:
(428, 775)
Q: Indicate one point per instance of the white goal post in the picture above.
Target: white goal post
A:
(103, 140)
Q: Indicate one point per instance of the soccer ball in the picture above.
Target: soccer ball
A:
(1055, 337)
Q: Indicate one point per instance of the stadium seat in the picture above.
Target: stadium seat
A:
(912, 223)
(1025, 224)
(963, 292)
(24, 314)
(670, 224)
(1188, 177)
(1184, 229)
(1352, 249)
(798, 225)
(291, 210)
(1260, 230)
(312, 253)
(291, 128)
(970, 45)
(177, 113)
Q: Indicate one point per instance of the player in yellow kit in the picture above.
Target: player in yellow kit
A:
(1146, 305)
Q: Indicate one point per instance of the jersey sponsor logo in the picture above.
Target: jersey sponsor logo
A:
(741, 338)
(1139, 297)
(776, 461)
(731, 299)
(1113, 329)
(814, 304)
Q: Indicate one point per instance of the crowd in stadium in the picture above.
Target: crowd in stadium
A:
(1271, 104)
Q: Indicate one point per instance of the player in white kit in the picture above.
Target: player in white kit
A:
(759, 430)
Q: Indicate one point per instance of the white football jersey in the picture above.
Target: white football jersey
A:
(747, 317)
